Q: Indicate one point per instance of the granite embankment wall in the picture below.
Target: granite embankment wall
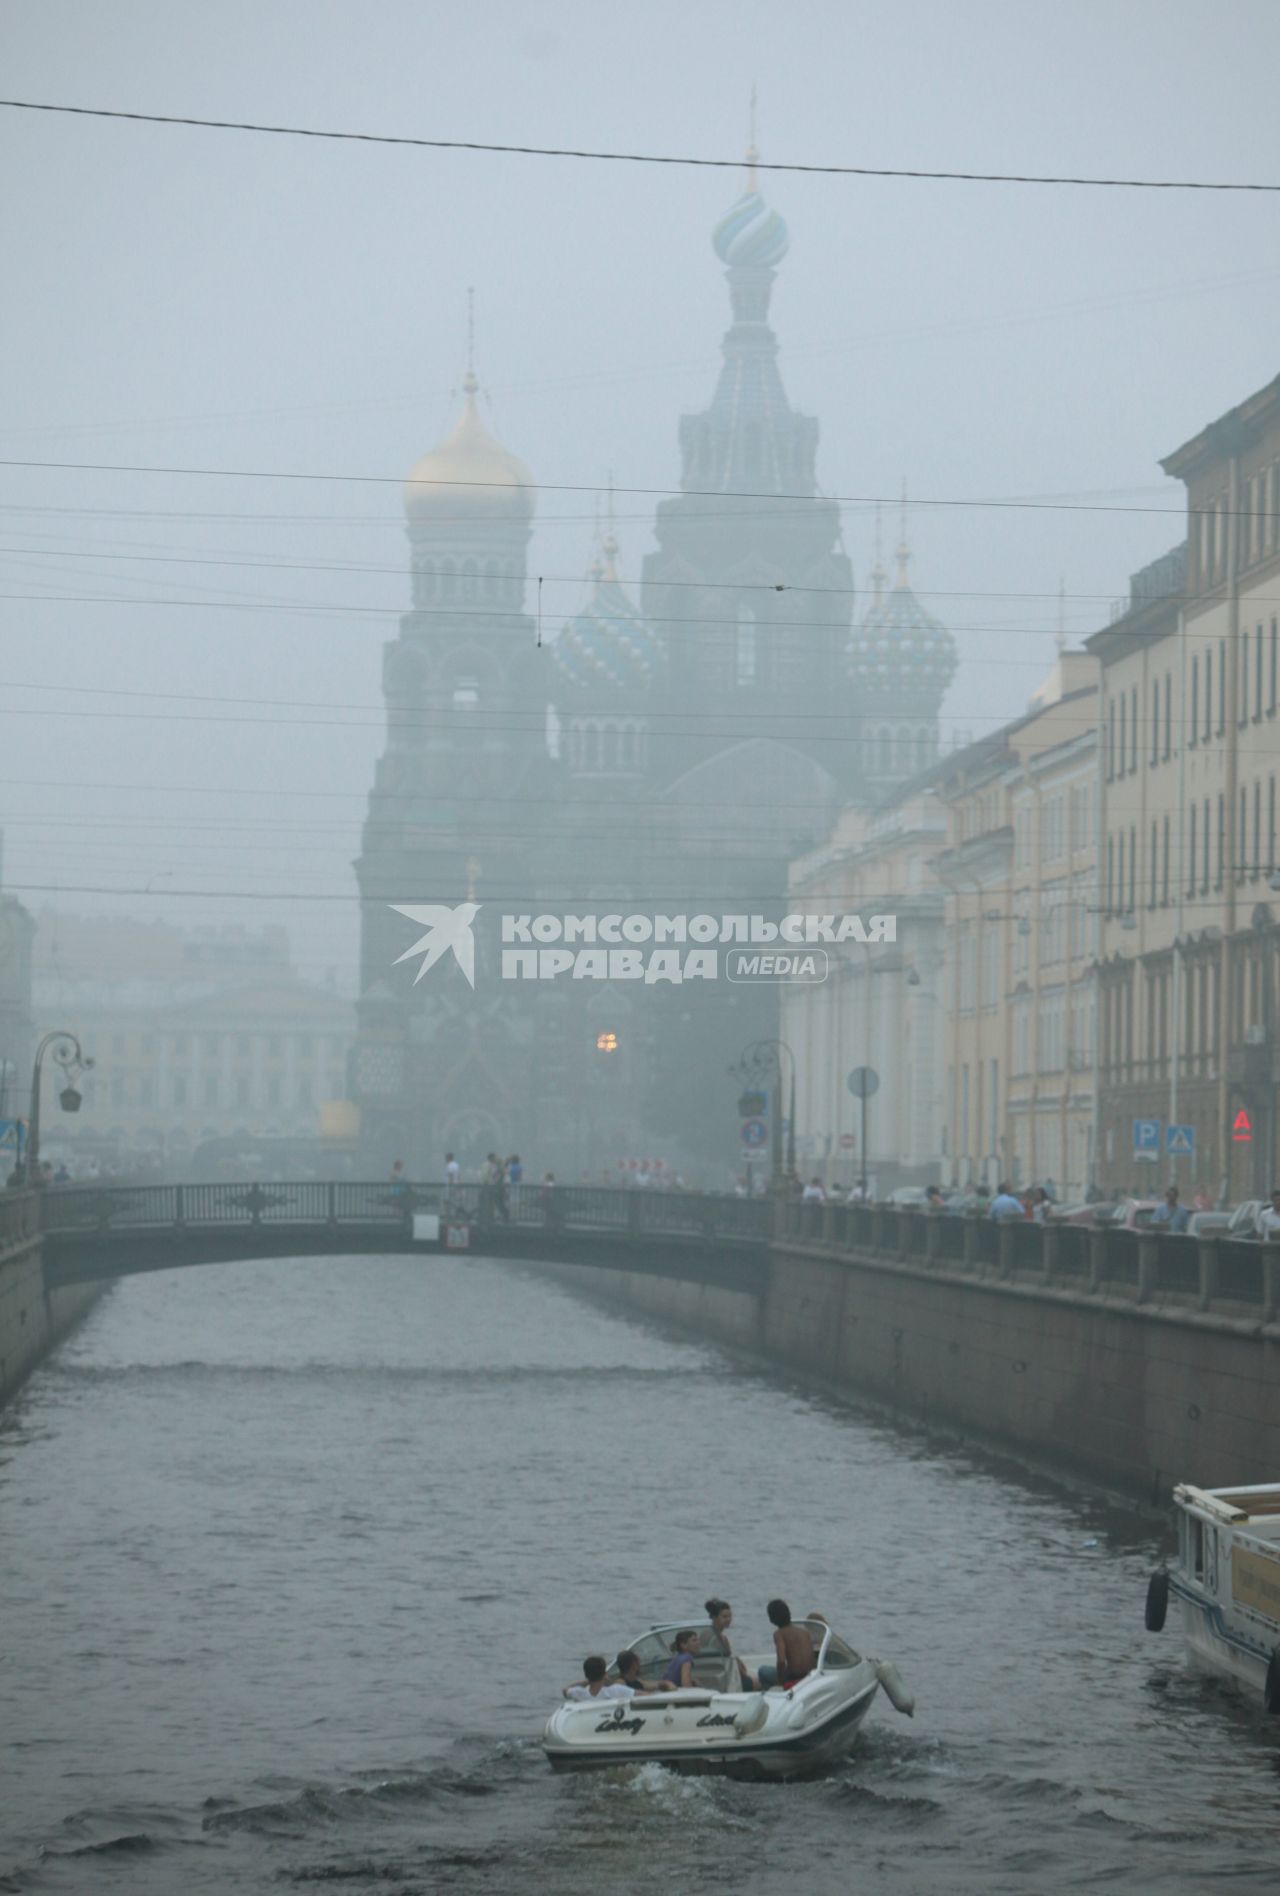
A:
(31, 1319)
(1138, 1395)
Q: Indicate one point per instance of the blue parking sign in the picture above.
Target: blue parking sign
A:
(1146, 1139)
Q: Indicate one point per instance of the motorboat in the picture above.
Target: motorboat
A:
(716, 1724)
(1227, 1579)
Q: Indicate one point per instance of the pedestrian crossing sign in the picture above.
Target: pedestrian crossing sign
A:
(1180, 1141)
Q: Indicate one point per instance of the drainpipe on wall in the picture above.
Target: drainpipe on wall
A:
(1230, 841)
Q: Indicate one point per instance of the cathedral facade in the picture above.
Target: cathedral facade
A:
(670, 753)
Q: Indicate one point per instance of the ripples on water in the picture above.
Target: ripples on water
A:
(296, 1557)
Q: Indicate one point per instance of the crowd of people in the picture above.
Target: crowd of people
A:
(793, 1648)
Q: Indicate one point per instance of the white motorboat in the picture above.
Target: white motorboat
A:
(715, 1725)
(1227, 1578)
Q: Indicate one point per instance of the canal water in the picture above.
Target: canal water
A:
(295, 1557)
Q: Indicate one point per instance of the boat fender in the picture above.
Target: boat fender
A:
(1271, 1690)
(1157, 1600)
(894, 1690)
(752, 1716)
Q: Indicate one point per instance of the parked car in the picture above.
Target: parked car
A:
(1243, 1221)
(1099, 1214)
(1133, 1214)
(1203, 1224)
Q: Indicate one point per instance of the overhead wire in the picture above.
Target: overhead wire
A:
(636, 157)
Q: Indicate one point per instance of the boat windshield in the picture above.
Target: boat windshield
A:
(657, 1646)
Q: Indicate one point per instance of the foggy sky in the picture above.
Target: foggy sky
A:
(206, 299)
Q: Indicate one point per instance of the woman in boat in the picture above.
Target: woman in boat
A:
(679, 1672)
(720, 1613)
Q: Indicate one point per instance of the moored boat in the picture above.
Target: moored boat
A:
(1227, 1581)
(715, 1725)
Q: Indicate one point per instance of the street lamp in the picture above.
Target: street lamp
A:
(762, 1058)
(70, 1056)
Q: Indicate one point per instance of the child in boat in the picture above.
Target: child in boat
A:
(594, 1683)
(720, 1613)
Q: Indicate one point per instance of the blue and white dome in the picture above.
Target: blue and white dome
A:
(751, 236)
(900, 651)
(609, 643)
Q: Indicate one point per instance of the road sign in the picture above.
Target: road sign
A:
(848, 1141)
(752, 1104)
(1146, 1139)
(1180, 1141)
(1242, 1128)
(13, 1135)
(863, 1082)
(755, 1134)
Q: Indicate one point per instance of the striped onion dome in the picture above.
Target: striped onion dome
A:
(608, 643)
(900, 648)
(751, 236)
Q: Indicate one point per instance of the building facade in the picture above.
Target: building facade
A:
(1190, 753)
(1021, 918)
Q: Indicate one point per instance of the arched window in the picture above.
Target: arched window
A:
(491, 578)
(466, 694)
(427, 578)
(886, 751)
(470, 575)
(449, 578)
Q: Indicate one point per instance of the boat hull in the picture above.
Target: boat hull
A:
(801, 1731)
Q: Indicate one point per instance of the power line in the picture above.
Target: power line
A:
(588, 487)
(635, 157)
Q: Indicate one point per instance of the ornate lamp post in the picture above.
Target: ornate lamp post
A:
(70, 1056)
(762, 1060)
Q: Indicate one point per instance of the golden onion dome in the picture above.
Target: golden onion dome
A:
(469, 473)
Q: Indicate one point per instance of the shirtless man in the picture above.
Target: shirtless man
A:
(792, 1644)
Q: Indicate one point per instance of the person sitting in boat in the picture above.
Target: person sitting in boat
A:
(679, 1670)
(595, 1684)
(793, 1647)
(627, 1665)
(720, 1613)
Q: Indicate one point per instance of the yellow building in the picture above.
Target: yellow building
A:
(1018, 872)
(1190, 952)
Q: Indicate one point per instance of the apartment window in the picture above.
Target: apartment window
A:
(1133, 729)
(1257, 829)
(1133, 866)
(1206, 866)
(1119, 908)
(1271, 824)
(1275, 655)
(1222, 839)
(1257, 680)
(746, 646)
(1222, 686)
(1123, 752)
(964, 1110)
(1155, 866)
(1111, 739)
(1208, 695)
(1111, 881)
(1155, 721)
(1164, 880)
(1242, 709)
(1191, 849)
(994, 1106)
(1195, 701)
(1241, 863)
(1168, 716)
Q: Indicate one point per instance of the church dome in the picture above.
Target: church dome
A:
(751, 236)
(470, 468)
(609, 642)
(900, 651)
